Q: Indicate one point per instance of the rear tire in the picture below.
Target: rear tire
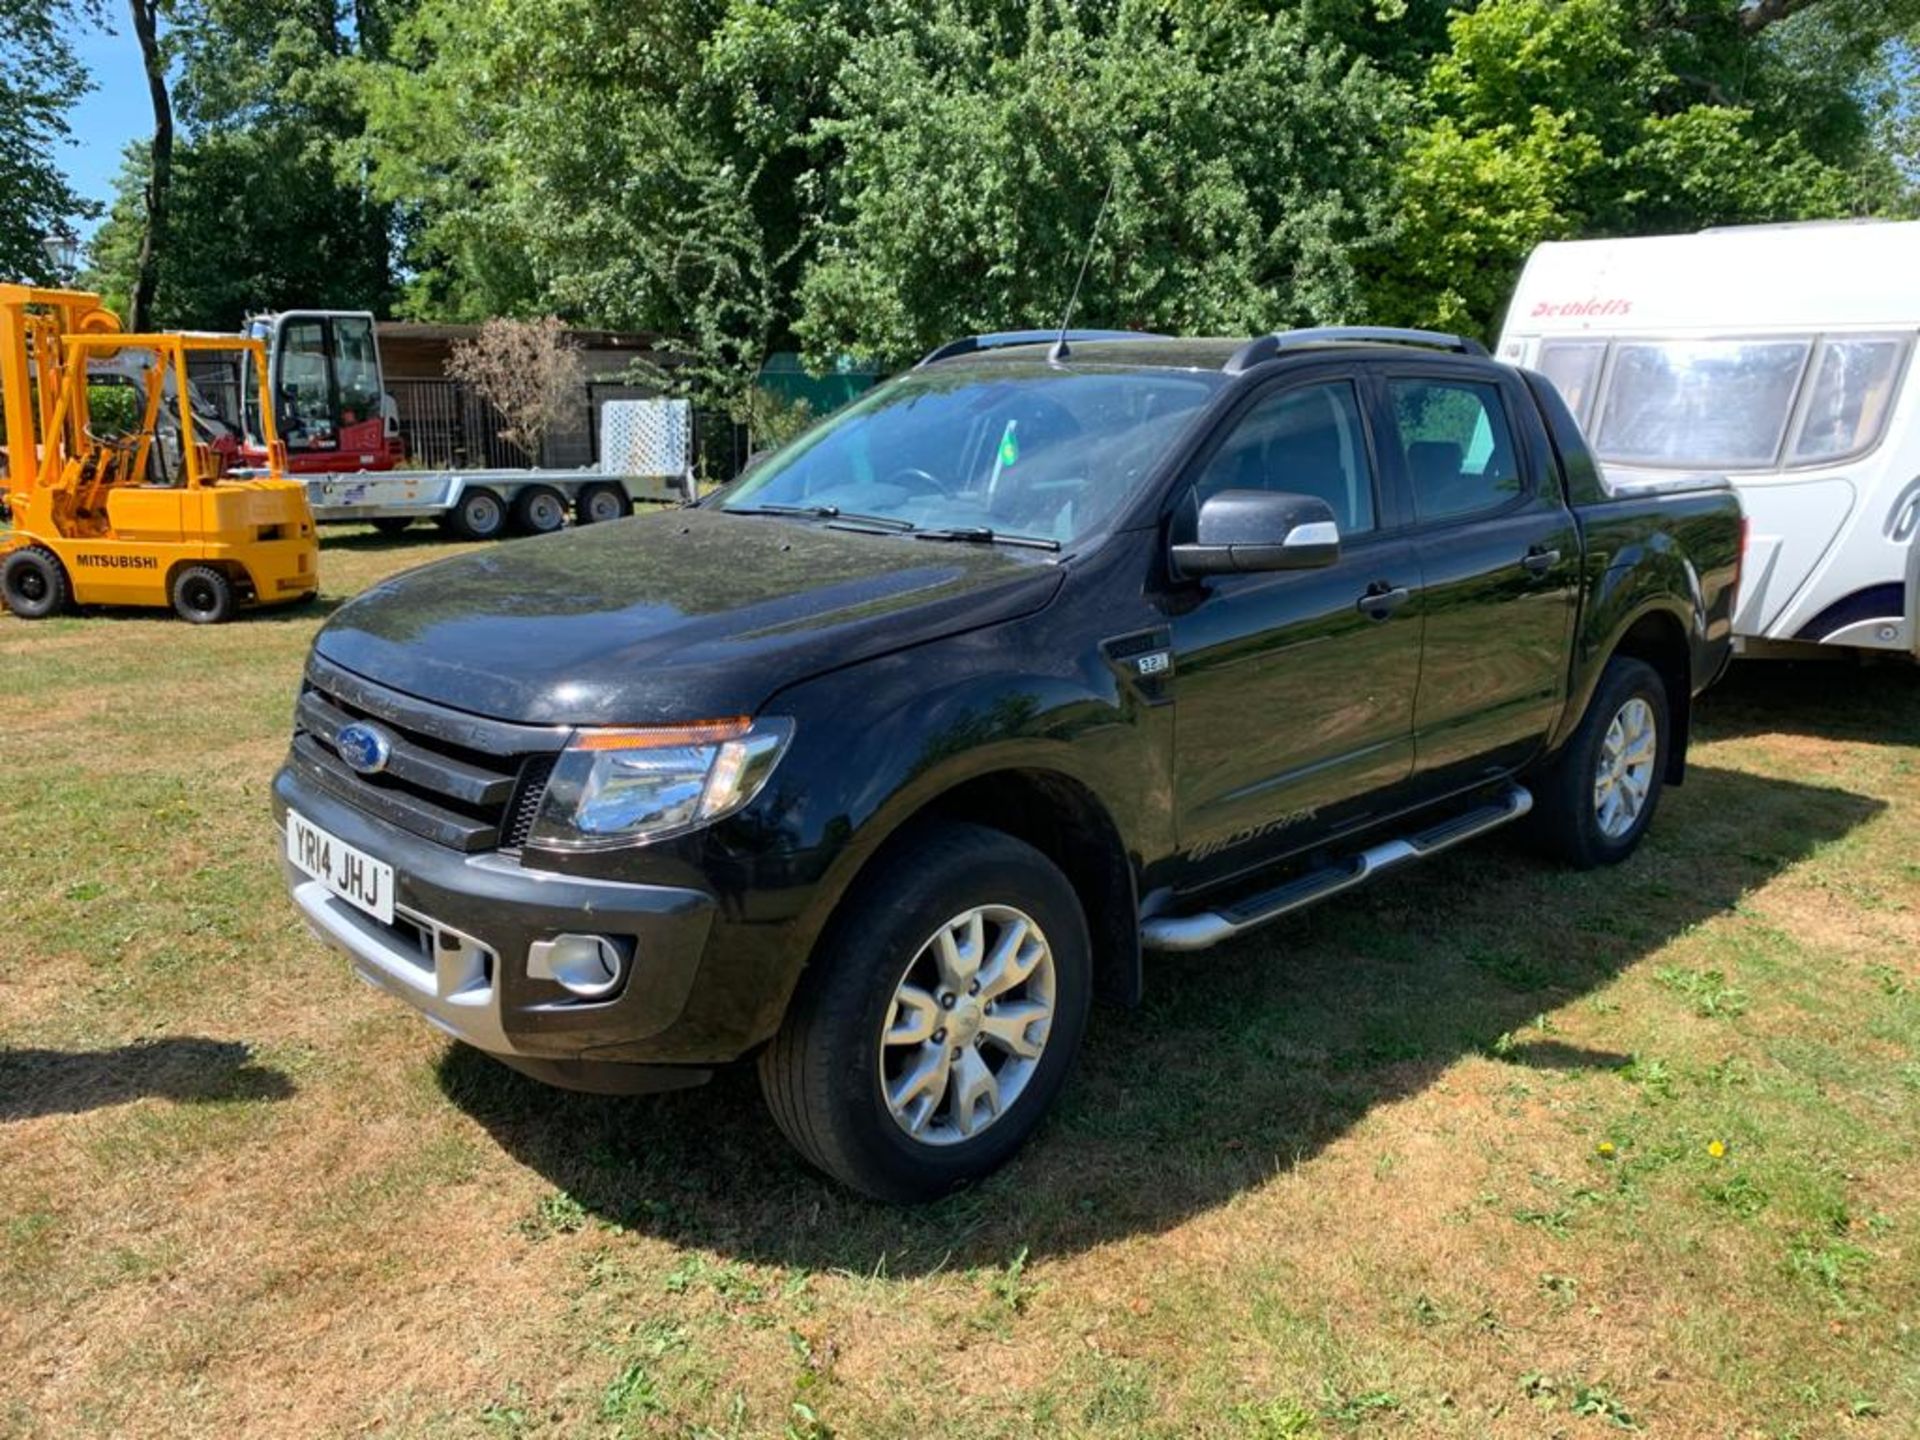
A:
(202, 595)
(480, 515)
(539, 510)
(885, 1003)
(598, 504)
(35, 583)
(1599, 797)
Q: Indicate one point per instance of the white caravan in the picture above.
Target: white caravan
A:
(1781, 357)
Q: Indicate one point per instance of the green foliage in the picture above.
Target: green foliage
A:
(874, 176)
(1248, 161)
(40, 79)
(1553, 118)
(268, 210)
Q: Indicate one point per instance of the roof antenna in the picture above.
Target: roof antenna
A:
(1060, 351)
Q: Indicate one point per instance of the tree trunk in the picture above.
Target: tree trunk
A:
(160, 173)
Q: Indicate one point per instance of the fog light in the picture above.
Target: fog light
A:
(586, 965)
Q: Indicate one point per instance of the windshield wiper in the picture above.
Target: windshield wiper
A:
(821, 512)
(981, 535)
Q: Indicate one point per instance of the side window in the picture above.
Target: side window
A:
(1459, 451)
(1307, 441)
(1574, 368)
(1853, 382)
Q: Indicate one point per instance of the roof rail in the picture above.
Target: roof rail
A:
(1265, 347)
(1000, 339)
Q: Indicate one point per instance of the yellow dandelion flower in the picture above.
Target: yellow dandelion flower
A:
(1604, 1149)
(1716, 1148)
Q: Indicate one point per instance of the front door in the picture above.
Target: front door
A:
(1500, 557)
(1294, 691)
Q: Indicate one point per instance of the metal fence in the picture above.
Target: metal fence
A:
(448, 425)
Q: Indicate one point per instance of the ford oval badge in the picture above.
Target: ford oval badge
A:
(366, 748)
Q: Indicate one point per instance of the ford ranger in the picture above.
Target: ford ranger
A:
(875, 767)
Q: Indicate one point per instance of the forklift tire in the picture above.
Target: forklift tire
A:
(393, 525)
(539, 510)
(202, 595)
(35, 583)
(600, 503)
(479, 516)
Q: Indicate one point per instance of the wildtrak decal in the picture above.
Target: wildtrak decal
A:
(1209, 848)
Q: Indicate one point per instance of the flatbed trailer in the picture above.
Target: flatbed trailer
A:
(646, 454)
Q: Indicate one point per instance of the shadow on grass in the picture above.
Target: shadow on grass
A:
(186, 1068)
(1837, 699)
(1243, 1062)
(373, 542)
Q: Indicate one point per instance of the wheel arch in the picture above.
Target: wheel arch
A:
(244, 589)
(1058, 815)
(1658, 638)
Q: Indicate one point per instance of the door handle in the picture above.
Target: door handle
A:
(1540, 559)
(1383, 597)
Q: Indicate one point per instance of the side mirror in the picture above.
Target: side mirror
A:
(1242, 531)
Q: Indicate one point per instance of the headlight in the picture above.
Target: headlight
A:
(628, 787)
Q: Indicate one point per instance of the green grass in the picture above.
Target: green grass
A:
(1489, 1150)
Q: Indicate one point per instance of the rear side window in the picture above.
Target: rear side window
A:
(1457, 445)
(1574, 368)
(1700, 404)
(1306, 441)
(1852, 389)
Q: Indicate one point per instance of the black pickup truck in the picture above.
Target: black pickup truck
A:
(878, 765)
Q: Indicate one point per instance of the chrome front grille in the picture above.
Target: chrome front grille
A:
(460, 780)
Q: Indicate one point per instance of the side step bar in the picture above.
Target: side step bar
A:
(1210, 927)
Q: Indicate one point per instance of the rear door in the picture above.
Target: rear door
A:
(1500, 557)
(1295, 690)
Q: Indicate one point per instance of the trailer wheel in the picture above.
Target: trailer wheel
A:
(35, 583)
(480, 515)
(600, 503)
(202, 595)
(539, 510)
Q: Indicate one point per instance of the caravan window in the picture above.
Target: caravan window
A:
(1700, 404)
(1853, 382)
(1574, 368)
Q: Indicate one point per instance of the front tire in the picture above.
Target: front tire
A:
(1599, 798)
(939, 1017)
(35, 583)
(202, 595)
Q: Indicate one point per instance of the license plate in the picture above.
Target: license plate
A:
(355, 876)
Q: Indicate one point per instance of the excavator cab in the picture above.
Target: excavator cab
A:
(140, 509)
(329, 395)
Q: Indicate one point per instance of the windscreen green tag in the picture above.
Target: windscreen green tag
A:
(1010, 444)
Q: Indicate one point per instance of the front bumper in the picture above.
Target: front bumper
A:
(457, 949)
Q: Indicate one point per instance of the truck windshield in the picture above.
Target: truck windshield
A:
(1017, 449)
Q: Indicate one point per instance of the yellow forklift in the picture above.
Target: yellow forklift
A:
(148, 516)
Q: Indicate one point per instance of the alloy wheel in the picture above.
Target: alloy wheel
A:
(1623, 774)
(967, 1025)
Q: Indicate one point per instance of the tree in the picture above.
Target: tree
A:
(265, 177)
(153, 234)
(1553, 118)
(875, 175)
(40, 78)
(1249, 158)
(528, 370)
